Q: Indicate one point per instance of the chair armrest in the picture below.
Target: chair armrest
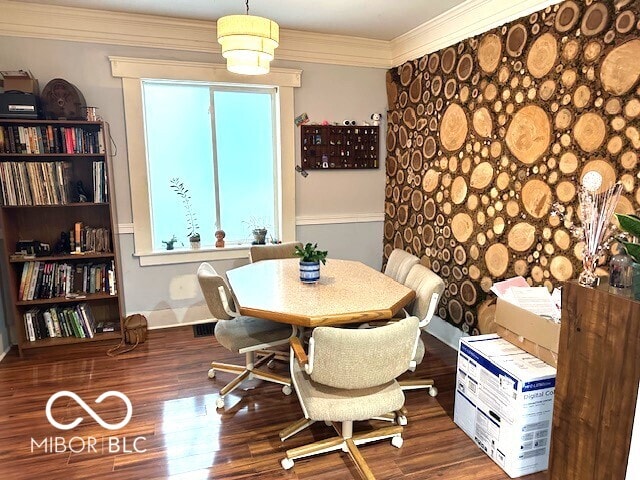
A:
(298, 351)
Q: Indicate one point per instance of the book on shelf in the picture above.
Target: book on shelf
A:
(45, 280)
(50, 139)
(35, 183)
(57, 322)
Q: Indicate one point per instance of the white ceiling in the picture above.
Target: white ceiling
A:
(375, 19)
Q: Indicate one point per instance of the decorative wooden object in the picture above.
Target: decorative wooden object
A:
(596, 386)
(485, 136)
(45, 222)
(327, 147)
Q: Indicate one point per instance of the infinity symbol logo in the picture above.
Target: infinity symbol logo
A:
(89, 410)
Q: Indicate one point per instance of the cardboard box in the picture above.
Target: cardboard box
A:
(535, 334)
(20, 80)
(504, 402)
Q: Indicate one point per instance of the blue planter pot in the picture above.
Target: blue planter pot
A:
(309, 272)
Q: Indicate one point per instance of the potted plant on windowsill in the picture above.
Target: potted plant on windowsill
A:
(310, 258)
(630, 224)
(192, 222)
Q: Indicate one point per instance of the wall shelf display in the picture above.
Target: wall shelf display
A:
(327, 147)
(58, 222)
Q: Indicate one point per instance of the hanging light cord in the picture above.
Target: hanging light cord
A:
(247, 3)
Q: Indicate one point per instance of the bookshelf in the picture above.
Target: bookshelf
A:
(55, 179)
(329, 147)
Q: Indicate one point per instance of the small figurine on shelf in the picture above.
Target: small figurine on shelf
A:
(220, 238)
(376, 118)
(62, 246)
(83, 196)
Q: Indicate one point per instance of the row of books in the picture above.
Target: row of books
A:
(73, 321)
(61, 279)
(35, 183)
(100, 192)
(89, 239)
(50, 139)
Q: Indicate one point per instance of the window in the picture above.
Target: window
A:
(219, 142)
(211, 85)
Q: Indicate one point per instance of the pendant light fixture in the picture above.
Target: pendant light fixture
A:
(248, 42)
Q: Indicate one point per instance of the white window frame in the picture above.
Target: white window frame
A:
(132, 71)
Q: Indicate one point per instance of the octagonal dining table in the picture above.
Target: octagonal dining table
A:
(347, 292)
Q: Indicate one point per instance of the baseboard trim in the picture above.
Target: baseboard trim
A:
(445, 332)
(176, 317)
(4, 354)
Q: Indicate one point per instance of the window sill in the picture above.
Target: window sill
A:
(188, 255)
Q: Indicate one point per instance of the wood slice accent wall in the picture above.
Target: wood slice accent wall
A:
(485, 136)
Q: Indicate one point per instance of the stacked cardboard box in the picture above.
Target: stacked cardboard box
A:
(504, 402)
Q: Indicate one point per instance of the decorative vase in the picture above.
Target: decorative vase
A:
(259, 236)
(635, 283)
(309, 272)
(195, 245)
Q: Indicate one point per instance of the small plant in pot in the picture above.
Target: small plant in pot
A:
(258, 229)
(192, 222)
(310, 258)
(630, 224)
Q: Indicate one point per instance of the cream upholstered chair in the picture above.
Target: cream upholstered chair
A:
(399, 264)
(347, 377)
(258, 253)
(241, 334)
(429, 287)
(273, 252)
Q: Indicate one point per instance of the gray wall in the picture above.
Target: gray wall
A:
(169, 294)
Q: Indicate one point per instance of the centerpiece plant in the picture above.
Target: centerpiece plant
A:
(310, 258)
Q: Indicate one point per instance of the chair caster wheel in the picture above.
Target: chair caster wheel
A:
(397, 442)
(219, 402)
(286, 389)
(211, 373)
(401, 420)
(286, 463)
(271, 364)
(433, 391)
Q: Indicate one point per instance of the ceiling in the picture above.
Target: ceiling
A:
(374, 19)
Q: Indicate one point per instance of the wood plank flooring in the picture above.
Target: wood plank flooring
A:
(185, 437)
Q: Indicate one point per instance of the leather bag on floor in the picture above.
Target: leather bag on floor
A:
(135, 333)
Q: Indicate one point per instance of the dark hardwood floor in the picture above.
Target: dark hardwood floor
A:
(186, 437)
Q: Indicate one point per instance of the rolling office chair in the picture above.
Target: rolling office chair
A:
(347, 377)
(429, 287)
(241, 334)
(273, 252)
(259, 253)
(399, 265)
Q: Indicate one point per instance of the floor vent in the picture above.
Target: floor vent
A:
(204, 329)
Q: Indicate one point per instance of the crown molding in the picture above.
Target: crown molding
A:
(96, 26)
(114, 28)
(463, 21)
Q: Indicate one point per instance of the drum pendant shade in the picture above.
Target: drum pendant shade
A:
(248, 43)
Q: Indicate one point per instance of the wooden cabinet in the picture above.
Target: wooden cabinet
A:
(68, 294)
(596, 385)
(339, 147)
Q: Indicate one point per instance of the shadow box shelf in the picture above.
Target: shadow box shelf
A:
(58, 217)
(330, 147)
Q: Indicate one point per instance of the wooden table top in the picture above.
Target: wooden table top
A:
(348, 292)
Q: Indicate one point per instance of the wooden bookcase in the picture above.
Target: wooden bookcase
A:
(79, 152)
(327, 147)
(596, 386)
